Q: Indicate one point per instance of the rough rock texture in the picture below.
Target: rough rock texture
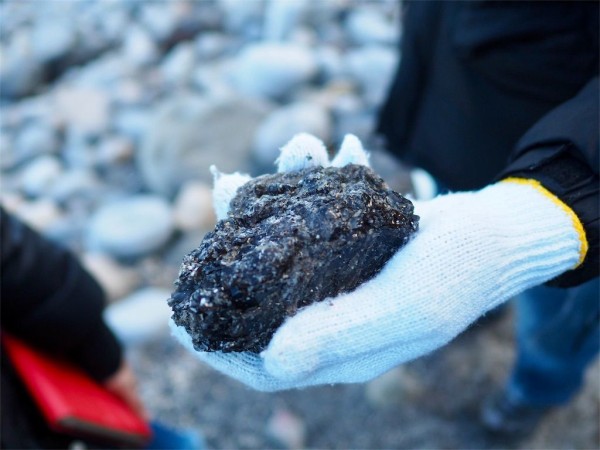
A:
(289, 240)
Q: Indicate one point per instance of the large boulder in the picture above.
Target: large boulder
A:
(190, 133)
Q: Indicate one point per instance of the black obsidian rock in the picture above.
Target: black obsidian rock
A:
(289, 240)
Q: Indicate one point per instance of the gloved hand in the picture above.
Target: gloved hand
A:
(473, 251)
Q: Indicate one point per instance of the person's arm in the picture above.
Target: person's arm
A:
(50, 301)
(472, 252)
(561, 152)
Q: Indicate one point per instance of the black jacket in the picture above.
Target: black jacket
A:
(50, 301)
(488, 89)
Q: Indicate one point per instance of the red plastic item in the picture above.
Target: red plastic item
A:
(72, 402)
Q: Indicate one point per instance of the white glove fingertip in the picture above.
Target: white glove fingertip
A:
(301, 152)
(215, 172)
(292, 355)
(351, 152)
(285, 363)
(225, 188)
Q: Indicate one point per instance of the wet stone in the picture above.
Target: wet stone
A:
(289, 240)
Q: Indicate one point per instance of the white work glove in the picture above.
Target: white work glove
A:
(473, 251)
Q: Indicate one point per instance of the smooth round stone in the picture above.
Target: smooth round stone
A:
(132, 123)
(273, 69)
(330, 61)
(114, 24)
(279, 126)
(114, 150)
(40, 175)
(105, 71)
(35, 139)
(282, 18)
(369, 26)
(11, 201)
(189, 133)
(138, 47)
(179, 64)
(140, 316)
(393, 388)
(53, 39)
(372, 68)
(286, 429)
(359, 123)
(239, 16)
(211, 45)
(75, 183)
(129, 92)
(193, 208)
(20, 72)
(87, 110)
(40, 214)
(131, 227)
(159, 19)
(116, 279)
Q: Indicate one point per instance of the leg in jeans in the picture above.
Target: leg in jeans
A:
(558, 336)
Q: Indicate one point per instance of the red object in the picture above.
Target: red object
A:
(72, 402)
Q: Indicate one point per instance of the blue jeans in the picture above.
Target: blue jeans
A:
(558, 336)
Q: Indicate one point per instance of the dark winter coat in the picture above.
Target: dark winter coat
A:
(488, 89)
(51, 302)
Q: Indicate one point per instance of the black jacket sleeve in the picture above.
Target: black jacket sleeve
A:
(561, 152)
(49, 300)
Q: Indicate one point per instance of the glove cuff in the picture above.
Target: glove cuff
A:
(534, 237)
(577, 225)
(508, 237)
(559, 169)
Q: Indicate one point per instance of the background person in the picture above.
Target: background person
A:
(477, 81)
(52, 303)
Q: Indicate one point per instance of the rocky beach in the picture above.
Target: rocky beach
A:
(111, 113)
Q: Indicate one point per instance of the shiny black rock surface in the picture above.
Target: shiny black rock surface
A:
(289, 240)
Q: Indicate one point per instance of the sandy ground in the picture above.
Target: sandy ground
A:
(430, 403)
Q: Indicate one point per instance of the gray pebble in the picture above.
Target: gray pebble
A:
(273, 70)
(131, 227)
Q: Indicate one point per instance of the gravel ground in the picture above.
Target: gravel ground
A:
(429, 403)
(101, 104)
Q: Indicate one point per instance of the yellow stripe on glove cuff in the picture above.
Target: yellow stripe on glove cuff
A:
(583, 248)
